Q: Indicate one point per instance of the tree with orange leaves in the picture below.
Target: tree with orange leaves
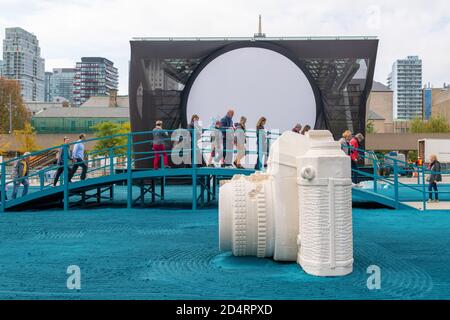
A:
(10, 91)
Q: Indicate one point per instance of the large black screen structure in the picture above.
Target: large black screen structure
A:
(164, 72)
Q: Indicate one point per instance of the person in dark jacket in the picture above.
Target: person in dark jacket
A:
(60, 161)
(306, 129)
(20, 176)
(435, 177)
(226, 125)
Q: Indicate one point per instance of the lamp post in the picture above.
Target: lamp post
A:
(10, 114)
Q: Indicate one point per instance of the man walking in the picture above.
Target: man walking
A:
(60, 161)
(20, 176)
(78, 158)
(227, 127)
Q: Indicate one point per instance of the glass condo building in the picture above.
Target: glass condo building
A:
(22, 61)
(94, 76)
(406, 82)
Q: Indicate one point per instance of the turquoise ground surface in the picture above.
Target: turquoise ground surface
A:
(173, 254)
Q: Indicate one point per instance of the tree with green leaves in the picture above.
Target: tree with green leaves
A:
(436, 124)
(413, 155)
(370, 127)
(417, 125)
(10, 93)
(118, 144)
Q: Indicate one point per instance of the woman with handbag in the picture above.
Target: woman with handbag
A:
(434, 178)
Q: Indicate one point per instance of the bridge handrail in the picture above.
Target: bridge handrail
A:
(398, 167)
(132, 134)
(99, 157)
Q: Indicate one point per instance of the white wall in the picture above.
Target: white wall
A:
(255, 82)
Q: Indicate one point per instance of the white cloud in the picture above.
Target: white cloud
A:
(68, 30)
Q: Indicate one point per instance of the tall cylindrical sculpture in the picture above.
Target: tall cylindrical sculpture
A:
(325, 236)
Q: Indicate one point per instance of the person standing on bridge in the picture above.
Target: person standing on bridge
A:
(60, 161)
(434, 178)
(195, 126)
(355, 144)
(305, 130)
(261, 140)
(20, 176)
(240, 140)
(159, 146)
(345, 142)
(226, 124)
(78, 158)
(216, 144)
(297, 128)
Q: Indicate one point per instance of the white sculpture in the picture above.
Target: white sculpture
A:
(262, 215)
(325, 202)
(258, 215)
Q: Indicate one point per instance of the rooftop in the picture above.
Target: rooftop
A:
(84, 112)
(103, 101)
(379, 87)
(253, 38)
(374, 116)
(95, 60)
(38, 106)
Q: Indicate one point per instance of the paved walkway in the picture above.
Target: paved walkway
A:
(430, 206)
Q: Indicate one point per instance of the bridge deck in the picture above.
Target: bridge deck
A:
(139, 177)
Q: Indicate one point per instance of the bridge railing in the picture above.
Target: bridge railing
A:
(119, 152)
(385, 170)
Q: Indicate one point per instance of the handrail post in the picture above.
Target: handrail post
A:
(260, 148)
(111, 172)
(65, 158)
(396, 184)
(194, 170)
(129, 173)
(3, 191)
(424, 192)
(375, 174)
(418, 175)
(41, 180)
(111, 162)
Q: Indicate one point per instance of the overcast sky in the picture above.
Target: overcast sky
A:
(70, 29)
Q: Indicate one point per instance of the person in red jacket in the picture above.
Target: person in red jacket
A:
(355, 143)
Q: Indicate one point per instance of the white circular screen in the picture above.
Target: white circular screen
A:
(254, 82)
